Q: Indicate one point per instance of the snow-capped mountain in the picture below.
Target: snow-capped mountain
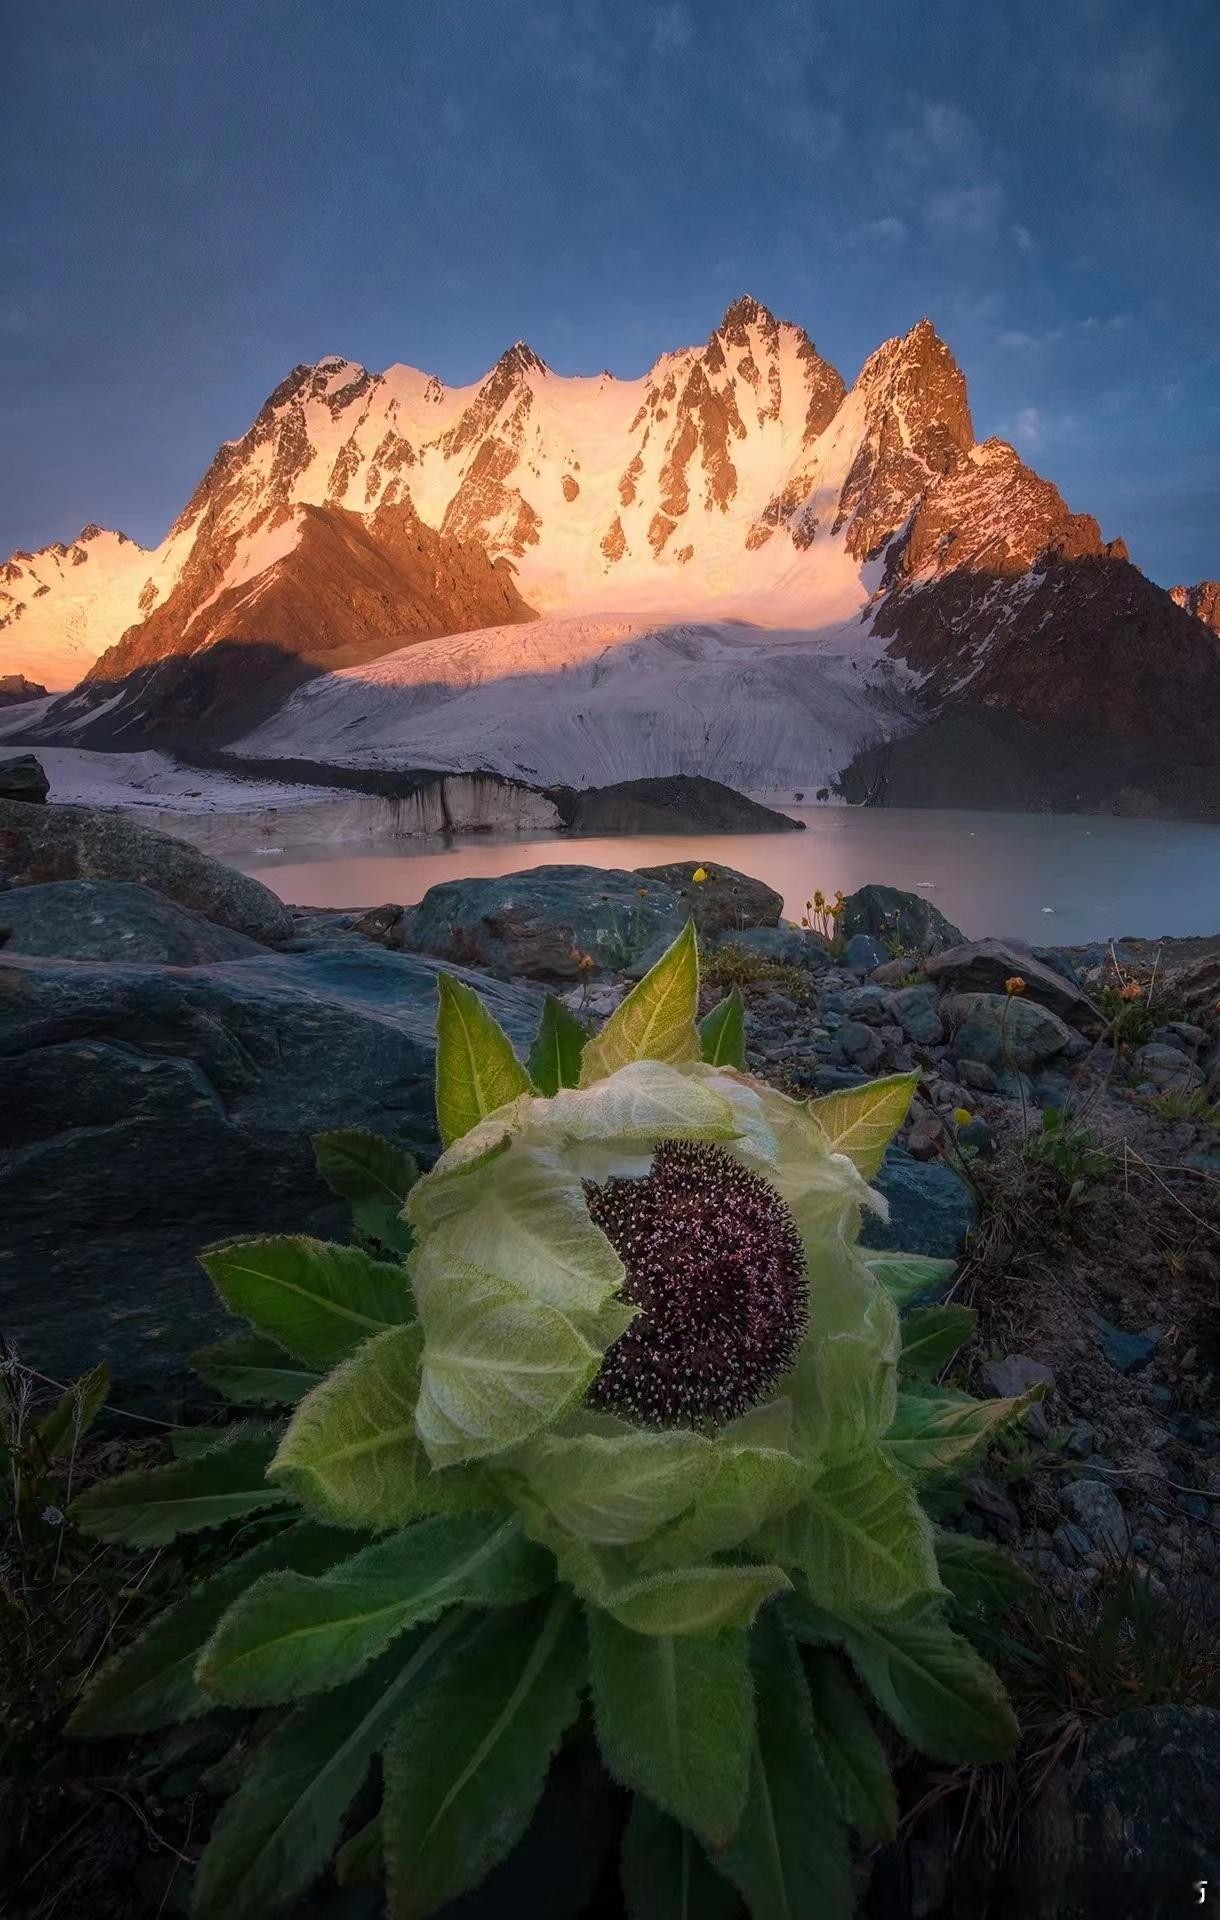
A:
(732, 565)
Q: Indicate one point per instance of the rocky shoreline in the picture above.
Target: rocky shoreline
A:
(172, 1036)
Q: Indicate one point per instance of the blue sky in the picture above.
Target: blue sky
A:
(197, 197)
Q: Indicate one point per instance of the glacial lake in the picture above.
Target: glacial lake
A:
(1057, 879)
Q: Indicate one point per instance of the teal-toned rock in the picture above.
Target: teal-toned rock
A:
(890, 914)
(1006, 1032)
(931, 1207)
(916, 1013)
(790, 945)
(535, 925)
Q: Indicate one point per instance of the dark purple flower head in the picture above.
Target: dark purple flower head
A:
(715, 1263)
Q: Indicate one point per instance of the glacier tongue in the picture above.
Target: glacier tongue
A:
(585, 701)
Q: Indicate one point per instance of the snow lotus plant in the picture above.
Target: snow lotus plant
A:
(613, 1410)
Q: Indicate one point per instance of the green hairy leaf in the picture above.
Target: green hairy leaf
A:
(467, 1764)
(790, 1856)
(908, 1276)
(615, 1491)
(497, 1368)
(146, 1509)
(351, 1453)
(554, 1060)
(925, 1678)
(861, 1121)
(280, 1829)
(931, 1336)
(665, 1872)
(747, 1486)
(524, 1219)
(253, 1371)
(687, 1600)
(374, 1176)
(844, 1385)
(360, 1861)
(291, 1635)
(860, 1537)
(187, 1443)
(722, 1032)
(476, 1068)
(981, 1577)
(317, 1300)
(851, 1751)
(675, 1720)
(938, 1429)
(657, 1019)
(152, 1682)
(63, 1429)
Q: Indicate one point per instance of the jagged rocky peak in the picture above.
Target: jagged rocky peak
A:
(991, 514)
(520, 359)
(1202, 600)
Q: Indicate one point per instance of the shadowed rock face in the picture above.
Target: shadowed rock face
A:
(151, 1110)
(1203, 601)
(43, 844)
(113, 920)
(535, 925)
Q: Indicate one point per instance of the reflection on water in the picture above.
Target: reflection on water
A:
(1052, 878)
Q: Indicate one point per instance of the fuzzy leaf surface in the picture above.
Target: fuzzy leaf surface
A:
(374, 1175)
(466, 1766)
(908, 1276)
(656, 1021)
(981, 1577)
(554, 1059)
(616, 1491)
(861, 1121)
(476, 1068)
(351, 1453)
(685, 1600)
(291, 1635)
(859, 1537)
(722, 1032)
(931, 1336)
(497, 1367)
(152, 1683)
(675, 1720)
(280, 1828)
(253, 1371)
(316, 1299)
(927, 1679)
(148, 1508)
(790, 1856)
(938, 1429)
(851, 1751)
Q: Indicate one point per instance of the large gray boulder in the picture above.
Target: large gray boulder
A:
(535, 925)
(890, 914)
(149, 1111)
(22, 778)
(1006, 1031)
(113, 920)
(983, 966)
(791, 946)
(40, 844)
(724, 902)
(931, 1207)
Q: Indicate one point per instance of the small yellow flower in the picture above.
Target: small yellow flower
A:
(1132, 991)
(962, 1116)
(1014, 984)
(699, 876)
(584, 961)
(804, 919)
(819, 899)
(837, 910)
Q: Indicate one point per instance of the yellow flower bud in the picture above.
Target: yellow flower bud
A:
(962, 1116)
(699, 876)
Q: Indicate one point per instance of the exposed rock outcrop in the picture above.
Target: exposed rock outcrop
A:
(679, 803)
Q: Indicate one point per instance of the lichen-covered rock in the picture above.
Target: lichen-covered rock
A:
(41, 844)
(724, 901)
(916, 1012)
(931, 1207)
(113, 920)
(1167, 1069)
(890, 914)
(535, 925)
(983, 966)
(788, 945)
(1006, 1032)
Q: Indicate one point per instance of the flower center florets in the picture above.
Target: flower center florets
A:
(715, 1263)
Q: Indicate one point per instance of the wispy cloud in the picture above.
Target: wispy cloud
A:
(1035, 428)
(970, 211)
(889, 230)
(1136, 87)
(1022, 239)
